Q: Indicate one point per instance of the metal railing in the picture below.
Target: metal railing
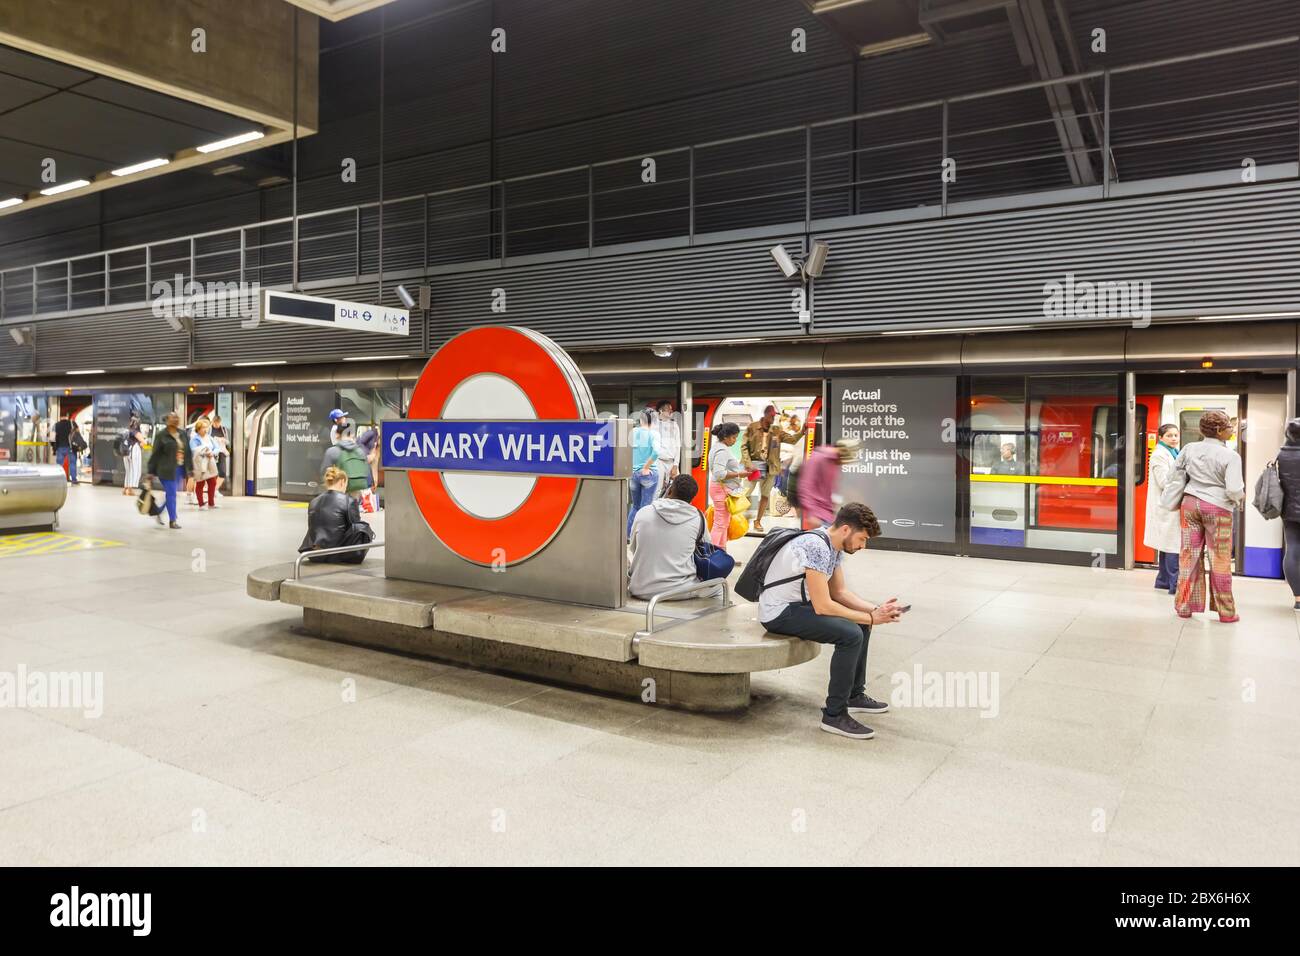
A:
(885, 160)
(694, 589)
(321, 552)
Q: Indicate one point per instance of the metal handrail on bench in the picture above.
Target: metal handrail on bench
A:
(304, 555)
(685, 590)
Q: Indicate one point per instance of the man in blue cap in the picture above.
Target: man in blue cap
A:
(338, 422)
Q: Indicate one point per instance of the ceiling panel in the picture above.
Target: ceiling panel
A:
(159, 105)
(39, 69)
(73, 124)
(16, 92)
(21, 163)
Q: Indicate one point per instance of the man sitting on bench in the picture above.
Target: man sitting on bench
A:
(815, 604)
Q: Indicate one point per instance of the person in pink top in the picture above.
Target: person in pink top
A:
(819, 479)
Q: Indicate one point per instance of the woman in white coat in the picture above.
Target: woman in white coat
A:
(1163, 532)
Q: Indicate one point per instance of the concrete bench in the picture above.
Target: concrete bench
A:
(693, 653)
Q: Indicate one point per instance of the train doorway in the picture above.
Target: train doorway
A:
(798, 414)
(262, 444)
(1257, 402)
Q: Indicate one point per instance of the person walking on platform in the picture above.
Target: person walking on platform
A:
(64, 456)
(203, 453)
(818, 482)
(725, 474)
(133, 461)
(1163, 533)
(644, 482)
(221, 436)
(762, 449)
(170, 462)
(1214, 488)
(1288, 472)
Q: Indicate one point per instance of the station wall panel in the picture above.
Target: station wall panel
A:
(1218, 251)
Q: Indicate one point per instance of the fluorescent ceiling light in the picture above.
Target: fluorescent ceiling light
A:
(88, 371)
(164, 368)
(64, 187)
(251, 364)
(141, 167)
(6, 203)
(1242, 315)
(232, 141)
(373, 358)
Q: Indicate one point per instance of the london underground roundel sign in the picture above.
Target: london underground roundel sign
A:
(500, 431)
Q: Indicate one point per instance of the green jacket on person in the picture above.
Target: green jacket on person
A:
(163, 460)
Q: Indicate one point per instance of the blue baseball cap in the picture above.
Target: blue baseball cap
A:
(337, 414)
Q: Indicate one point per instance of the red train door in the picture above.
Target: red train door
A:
(1148, 421)
(704, 410)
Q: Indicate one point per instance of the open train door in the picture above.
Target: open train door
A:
(1145, 432)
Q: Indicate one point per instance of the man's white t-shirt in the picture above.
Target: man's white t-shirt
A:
(811, 550)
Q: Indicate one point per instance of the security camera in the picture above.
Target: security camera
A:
(408, 300)
(783, 260)
(816, 259)
(663, 351)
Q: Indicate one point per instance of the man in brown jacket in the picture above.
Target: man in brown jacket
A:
(761, 446)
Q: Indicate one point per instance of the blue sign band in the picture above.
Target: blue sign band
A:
(578, 449)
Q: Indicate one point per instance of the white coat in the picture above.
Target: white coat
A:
(1162, 531)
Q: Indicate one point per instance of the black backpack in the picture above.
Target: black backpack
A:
(750, 583)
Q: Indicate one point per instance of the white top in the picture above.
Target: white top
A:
(1213, 473)
(670, 440)
(722, 460)
(811, 550)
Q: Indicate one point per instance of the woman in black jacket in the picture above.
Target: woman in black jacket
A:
(1288, 472)
(334, 521)
(171, 462)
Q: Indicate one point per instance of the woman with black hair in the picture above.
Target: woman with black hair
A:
(726, 474)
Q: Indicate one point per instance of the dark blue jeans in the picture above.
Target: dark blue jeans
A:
(643, 488)
(849, 660)
(1167, 570)
(66, 458)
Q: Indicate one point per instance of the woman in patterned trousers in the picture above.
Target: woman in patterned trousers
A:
(1214, 487)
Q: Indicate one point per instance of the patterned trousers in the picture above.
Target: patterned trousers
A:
(1205, 526)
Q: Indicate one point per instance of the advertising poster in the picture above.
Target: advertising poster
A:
(905, 469)
(113, 412)
(304, 439)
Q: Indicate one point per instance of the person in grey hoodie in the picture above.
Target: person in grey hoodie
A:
(663, 541)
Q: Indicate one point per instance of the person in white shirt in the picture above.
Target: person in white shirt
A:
(1214, 487)
(804, 595)
(670, 443)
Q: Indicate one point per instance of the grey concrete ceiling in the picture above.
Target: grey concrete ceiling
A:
(88, 124)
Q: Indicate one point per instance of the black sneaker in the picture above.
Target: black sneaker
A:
(846, 726)
(862, 704)
(175, 526)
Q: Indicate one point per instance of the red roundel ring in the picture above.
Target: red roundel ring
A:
(523, 359)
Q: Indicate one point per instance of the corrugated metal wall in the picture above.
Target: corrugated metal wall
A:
(1214, 252)
(713, 292)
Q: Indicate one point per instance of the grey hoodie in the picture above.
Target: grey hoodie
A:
(663, 547)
